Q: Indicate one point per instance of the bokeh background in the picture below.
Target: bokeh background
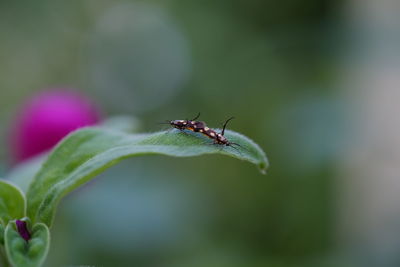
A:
(314, 82)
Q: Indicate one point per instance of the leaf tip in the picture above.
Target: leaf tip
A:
(263, 166)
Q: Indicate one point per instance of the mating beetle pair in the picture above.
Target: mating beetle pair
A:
(201, 127)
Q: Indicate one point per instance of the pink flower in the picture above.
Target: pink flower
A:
(46, 118)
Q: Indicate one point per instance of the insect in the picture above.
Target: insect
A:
(191, 125)
(201, 127)
(218, 138)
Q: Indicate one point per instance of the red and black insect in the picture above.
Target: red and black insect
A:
(201, 127)
(218, 138)
(187, 124)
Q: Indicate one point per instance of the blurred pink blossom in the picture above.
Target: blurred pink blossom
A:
(46, 118)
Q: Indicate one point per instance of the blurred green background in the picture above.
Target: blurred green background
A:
(271, 64)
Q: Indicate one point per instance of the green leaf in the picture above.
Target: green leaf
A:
(87, 152)
(27, 254)
(12, 202)
(23, 173)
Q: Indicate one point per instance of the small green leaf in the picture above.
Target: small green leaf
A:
(28, 254)
(12, 202)
(87, 152)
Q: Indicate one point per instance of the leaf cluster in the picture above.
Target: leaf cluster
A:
(77, 159)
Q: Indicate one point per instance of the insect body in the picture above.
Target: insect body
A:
(201, 127)
(218, 138)
(191, 125)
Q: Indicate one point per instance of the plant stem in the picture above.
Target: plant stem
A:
(3, 258)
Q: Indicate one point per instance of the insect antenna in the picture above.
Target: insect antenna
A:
(195, 118)
(235, 144)
(242, 147)
(223, 128)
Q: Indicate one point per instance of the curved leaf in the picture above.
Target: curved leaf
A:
(28, 254)
(12, 202)
(87, 152)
